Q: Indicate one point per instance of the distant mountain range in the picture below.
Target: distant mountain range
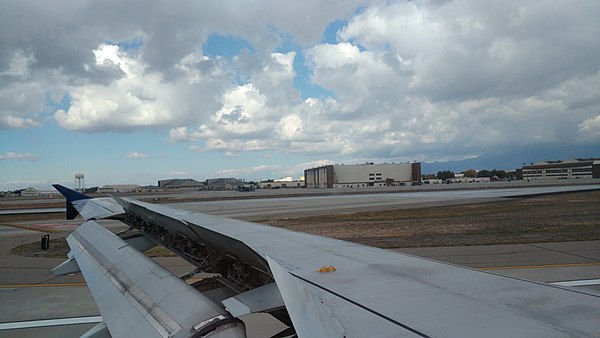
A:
(513, 159)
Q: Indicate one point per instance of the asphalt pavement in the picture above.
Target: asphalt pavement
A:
(29, 292)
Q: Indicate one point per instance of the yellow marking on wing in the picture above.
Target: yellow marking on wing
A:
(327, 269)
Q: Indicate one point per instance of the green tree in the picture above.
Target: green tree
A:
(444, 175)
(470, 173)
(501, 174)
(484, 173)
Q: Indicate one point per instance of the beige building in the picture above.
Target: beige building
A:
(30, 192)
(319, 178)
(117, 188)
(186, 184)
(227, 183)
(580, 168)
(464, 179)
(287, 182)
(363, 175)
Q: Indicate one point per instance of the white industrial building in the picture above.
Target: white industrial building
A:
(30, 192)
(116, 188)
(287, 182)
(363, 175)
(228, 183)
(580, 168)
(464, 179)
(184, 184)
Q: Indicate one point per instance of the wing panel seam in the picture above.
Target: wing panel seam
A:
(404, 326)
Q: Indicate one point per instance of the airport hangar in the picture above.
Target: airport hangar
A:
(580, 168)
(363, 175)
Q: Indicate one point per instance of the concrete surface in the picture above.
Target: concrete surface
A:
(28, 291)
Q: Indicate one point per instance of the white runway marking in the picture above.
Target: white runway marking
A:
(50, 322)
(582, 282)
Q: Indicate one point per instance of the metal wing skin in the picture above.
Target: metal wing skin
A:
(87, 207)
(137, 297)
(332, 288)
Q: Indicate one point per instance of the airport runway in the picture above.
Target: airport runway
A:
(315, 203)
(32, 211)
(260, 209)
(28, 291)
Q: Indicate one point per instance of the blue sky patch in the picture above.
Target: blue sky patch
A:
(133, 44)
(330, 34)
(224, 45)
(303, 83)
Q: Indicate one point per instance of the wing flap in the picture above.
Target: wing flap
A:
(261, 299)
(67, 267)
(98, 331)
(136, 296)
(317, 312)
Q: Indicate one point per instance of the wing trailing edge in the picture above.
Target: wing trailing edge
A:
(137, 297)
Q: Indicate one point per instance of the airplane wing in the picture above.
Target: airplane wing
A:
(87, 207)
(324, 287)
(139, 298)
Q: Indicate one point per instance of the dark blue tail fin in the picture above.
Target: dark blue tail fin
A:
(71, 195)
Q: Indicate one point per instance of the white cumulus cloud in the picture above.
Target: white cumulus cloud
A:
(402, 80)
(18, 156)
(135, 154)
(136, 99)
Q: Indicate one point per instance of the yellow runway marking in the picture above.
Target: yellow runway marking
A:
(540, 266)
(16, 286)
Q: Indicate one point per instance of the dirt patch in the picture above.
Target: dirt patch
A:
(551, 218)
(32, 217)
(27, 205)
(58, 249)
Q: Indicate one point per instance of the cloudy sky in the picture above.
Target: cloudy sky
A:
(133, 92)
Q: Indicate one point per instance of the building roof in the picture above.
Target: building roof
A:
(566, 163)
(179, 183)
(222, 181)
(120, 186)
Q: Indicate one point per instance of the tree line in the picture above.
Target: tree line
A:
(472, 173)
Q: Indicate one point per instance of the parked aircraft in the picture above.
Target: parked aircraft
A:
(246, 188)
(319, 287)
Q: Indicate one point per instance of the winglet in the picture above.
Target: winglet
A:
(71, 196)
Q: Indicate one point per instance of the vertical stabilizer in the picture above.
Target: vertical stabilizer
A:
(70, 195)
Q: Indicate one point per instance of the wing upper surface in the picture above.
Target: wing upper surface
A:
(88, 207)
(429, 297)
(336, 288)
(98, 208)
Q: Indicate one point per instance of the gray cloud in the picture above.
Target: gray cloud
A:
(409, 80)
